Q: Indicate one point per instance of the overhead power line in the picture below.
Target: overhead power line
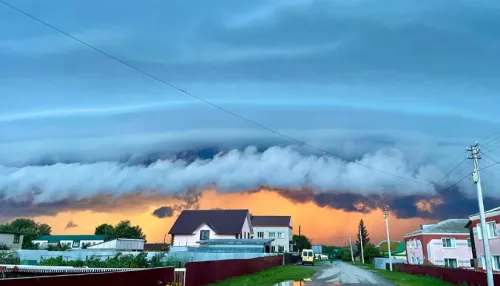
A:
(262, 126)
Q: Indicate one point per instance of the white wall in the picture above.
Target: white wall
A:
(192, 240)
(284, 242)
(70, 242)
(8, 239)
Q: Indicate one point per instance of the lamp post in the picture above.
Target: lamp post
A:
(386, 215)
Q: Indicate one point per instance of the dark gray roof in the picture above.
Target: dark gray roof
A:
(236, 241)
(271, 220)
(221, 221)
(445, 226)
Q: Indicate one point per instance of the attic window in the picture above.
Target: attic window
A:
(204, 235)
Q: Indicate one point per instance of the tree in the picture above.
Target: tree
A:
(105, 229)
(122, 230)
(346, 254)
(370, 251)
(29, 228)
(302, 242)
(365, 237)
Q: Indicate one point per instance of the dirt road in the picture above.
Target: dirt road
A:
(341, 273)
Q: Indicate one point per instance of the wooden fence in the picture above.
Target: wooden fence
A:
(146, 277)
(455, 276)
(208, 272)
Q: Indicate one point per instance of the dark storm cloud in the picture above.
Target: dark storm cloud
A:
(163, 212)
(70, 224)
(449, 202)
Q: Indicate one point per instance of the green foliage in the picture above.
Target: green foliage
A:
(370, 251)
(122, 230)
(364, 237)
(4, 246)
(302, 242)
(58, 247)
(29, 228)
(346, 254)
(118, 261)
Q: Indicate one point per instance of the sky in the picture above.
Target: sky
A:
(328, 109)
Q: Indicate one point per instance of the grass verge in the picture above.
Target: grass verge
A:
(404, 279)
(271, 276)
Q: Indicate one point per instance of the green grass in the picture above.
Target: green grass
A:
(271, 276)
(404, 279)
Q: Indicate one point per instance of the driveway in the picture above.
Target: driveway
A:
(341, 273)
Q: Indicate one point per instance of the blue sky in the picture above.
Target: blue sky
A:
(354, 77)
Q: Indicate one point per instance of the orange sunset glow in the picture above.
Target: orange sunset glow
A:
(323, 225)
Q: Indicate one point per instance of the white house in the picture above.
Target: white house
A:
(12, 240)
(73, 241)
(278, 228)
(193, 226)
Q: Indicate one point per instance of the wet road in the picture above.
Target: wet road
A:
(341, 273)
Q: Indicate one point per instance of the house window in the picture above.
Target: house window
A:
(418, 260)
(414, 243)
(260, 234)
(479, 231)
(76, 244)
(204, 234)
(272, 234)
(448, 242)
(469, 243)
(496, 262)
(281, 249)
(450, 262)
(410, 245)
(17, 237)
(492, 229)
(280, 235)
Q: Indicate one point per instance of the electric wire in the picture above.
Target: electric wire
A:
(220, 108)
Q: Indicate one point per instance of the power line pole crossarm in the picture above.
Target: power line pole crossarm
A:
(475, 155)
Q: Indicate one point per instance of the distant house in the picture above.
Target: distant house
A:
(445, 243)
(12, 240)
(120, 244)
(279, 228)
(476, 237)
(398, 250)
(193, 226)
(73, 241)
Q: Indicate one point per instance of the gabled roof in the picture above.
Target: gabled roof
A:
(220, 221)
(452, 226)
(57, 238)
(271, 221)
(486, 212)
(401, 248)
(383, 245)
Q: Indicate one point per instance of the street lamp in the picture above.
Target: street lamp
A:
(386, 215)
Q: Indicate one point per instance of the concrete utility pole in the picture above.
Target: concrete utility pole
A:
(352, 254)
(361, 242)
(386, 216)
(475, 155)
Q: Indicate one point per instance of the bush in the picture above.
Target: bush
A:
(4, 246)
(118, 261)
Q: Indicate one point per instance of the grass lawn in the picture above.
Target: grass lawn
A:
(272, 276)
(404, 279)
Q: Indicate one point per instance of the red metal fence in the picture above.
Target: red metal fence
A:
(208, 272)
(455, 276)
(146, 277)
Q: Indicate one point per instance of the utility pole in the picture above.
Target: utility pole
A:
(350, 245)
(298, 241)
(386, 216)
(361, 242)
(475, 155)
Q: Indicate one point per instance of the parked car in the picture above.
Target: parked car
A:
(307, 257)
